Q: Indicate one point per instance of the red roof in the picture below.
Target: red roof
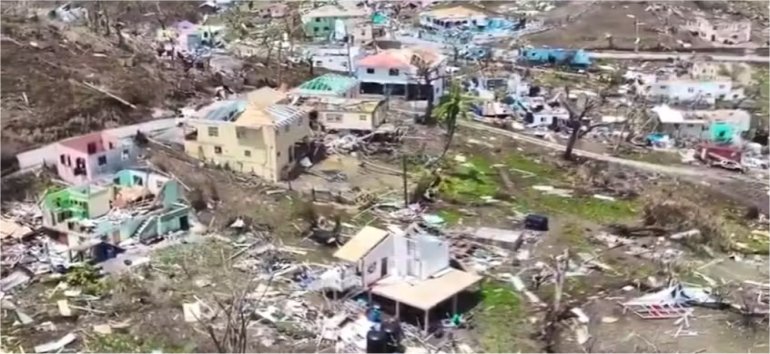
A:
(401, 58)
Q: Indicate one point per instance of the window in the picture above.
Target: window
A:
(393, 72)
(721, 86)
(62, 159)
(363, 117)
(213, 131)
(102, 160)
(300, 121)
(277, 154)
(326, 28)
(111, 146)
(218, 150)
(247, 153)
(333, 117)
(315, 29)
(370, 71)
(690, 89)
(317, 19)
(124, 155)
(158, 184)
(690, 125)
(287, 128)
(91, 147)
(663, 87)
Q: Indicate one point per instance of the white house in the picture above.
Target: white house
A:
(688, 90)
(361, 114)
(410, 268)
(723, 32)
(398, 72)
(700, 124)
(453, 17)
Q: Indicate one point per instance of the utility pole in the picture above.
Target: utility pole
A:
(406, 189)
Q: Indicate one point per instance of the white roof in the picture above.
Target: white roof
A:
(428, 293)
(363, 242)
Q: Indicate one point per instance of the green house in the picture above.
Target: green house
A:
(82, 202)
(319, 23)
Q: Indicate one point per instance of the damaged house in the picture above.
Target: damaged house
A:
(399, 72)
(95, 218)
(328, 85)
(320, 22)
(720, 31)
(256, 135)
(359, 114)
(88, 157)
(409, 268)
(719, 126)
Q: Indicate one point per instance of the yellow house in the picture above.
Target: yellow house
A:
(257, 135)
(347, 113)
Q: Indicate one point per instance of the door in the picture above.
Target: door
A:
(411, 258)
(384, 267)
(184, 223)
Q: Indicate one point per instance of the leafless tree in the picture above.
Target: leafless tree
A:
(427, 74)
(577, 117)
(553, 315)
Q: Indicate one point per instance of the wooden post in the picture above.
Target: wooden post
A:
(406, 190)
(398, 310)
(427, 319)
(454, 305)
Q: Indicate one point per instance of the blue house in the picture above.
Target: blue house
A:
(556, 56)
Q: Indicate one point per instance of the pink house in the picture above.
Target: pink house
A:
(85, 158)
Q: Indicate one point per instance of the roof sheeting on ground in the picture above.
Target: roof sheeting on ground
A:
(363, 242)
(10, 228)
(426, 294)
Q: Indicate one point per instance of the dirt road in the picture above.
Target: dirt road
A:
(726, 57)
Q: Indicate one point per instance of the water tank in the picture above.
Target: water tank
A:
(392, 330)
(376, 342)
(536, 222)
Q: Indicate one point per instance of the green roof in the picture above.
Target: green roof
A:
(328, 84)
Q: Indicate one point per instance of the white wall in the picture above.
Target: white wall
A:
(374, 259)
(433, 254)
(692, 131)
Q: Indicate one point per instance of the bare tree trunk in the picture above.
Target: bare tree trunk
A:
(280, 66)
(573, 138)
(450, 135)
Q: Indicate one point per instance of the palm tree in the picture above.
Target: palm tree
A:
(453, 105)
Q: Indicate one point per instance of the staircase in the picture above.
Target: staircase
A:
(145, 224)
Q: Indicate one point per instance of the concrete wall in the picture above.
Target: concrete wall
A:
(67, 160)
(433, 254)
(373, 261)
(99, 203)
(688, 131)
(337, 120)
(684, 90)
(251, 153)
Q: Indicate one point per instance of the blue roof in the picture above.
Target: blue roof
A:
(227, 112)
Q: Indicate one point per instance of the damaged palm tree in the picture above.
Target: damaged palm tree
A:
(454, 105)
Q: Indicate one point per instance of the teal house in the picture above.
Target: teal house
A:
(320, 22)
(132, 204)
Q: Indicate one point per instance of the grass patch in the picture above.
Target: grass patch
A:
(126, 343)
(524, 163)
(469, 182)
(450, 216)
(587, 208)
(574, 236)
(501, 319)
